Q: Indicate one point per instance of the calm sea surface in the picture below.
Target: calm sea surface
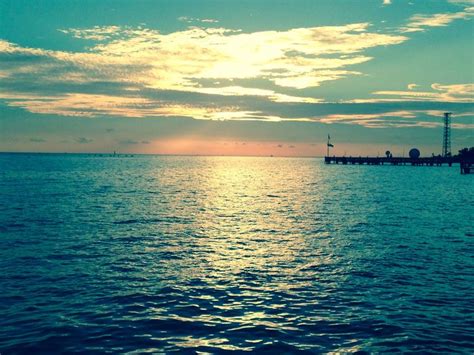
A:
(212, 254)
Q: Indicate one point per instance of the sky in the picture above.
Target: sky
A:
(247, 77)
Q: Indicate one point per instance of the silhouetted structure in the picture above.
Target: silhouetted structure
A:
(414, 153)
(428, 161)
(329, 144)
(466, 157)
(467, 167)
(446, 152)
(466, 153)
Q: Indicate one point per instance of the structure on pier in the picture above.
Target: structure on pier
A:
(446, 152)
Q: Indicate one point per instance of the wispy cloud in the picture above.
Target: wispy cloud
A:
(421, 22)
(84, 140)
(97, 33)
(74, 104)
(88, 105)
(243, 91)
(37, 140)
(462, 2)
(396, 119)
(440, 93)
(188, 19)
(129, 142)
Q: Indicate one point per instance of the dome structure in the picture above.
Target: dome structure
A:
(414, 153)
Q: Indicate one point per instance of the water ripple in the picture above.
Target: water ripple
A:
(163, 254)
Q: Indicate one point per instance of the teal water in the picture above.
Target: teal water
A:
(214, 254)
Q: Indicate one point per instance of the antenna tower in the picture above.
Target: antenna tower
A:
(447, 135)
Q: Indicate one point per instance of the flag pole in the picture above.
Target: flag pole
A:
(328, 145)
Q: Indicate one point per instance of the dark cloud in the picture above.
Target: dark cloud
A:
(84, 140)
(37, 140)
(133, 142)
(129, 142)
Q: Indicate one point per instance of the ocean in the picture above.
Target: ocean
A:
(135, 254)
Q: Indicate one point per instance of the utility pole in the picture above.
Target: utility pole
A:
(447, 135)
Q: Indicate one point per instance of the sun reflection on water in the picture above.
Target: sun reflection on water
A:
(245, 218)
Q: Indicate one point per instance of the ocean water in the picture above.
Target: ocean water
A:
(214, 254)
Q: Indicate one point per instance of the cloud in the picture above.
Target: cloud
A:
(37, 140)
(440, 93)
(420, 22)
(76, 104)
(209, 61)
(129, 142)
(462, 2)
(97, 33)
(188, 19)
(372, 120)
(84, 140)
(243, 91)
(356, 112)
(92, 105)
(133, 142)
(210, 74)
(396, 119)
(179, 60)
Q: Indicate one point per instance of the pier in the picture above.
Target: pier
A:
(466, 165)
(465, 158)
